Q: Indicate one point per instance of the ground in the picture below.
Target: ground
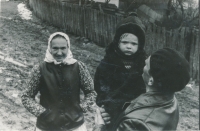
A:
(23, 43)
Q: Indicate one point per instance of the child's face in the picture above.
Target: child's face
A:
(59, 48)
(129, 44)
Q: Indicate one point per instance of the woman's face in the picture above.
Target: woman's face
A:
(128, 44)
(59, 48)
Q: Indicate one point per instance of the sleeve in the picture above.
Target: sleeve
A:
(101, 84)
(99, 128)
(132, 125)
(28, 96)
(87, 87)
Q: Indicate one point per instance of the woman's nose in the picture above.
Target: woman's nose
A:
(59, 52)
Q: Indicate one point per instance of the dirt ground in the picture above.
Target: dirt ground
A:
(23, 43)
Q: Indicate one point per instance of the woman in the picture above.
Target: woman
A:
(59, 79)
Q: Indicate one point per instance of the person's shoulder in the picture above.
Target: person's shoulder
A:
(140, 113)
(35, 69)
(40, 65)
(133, 124)
(80, 63)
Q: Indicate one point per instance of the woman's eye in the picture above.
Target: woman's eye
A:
(55, 48)
(63, 48)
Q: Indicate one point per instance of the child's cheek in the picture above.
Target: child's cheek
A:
(135, 49)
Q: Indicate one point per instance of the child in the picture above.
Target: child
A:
(59, 79)
(118, 77)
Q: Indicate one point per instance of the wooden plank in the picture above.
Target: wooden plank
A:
(84, 21)
(197, 56)
(75, 19)
(92, 24)
(101, 28)
(82, 24)
(65, 14)
(95, 26)
(106, 29)
(79, 21)
(191, 56)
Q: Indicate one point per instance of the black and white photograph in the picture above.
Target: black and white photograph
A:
(99, 65)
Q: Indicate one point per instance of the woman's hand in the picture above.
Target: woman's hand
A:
(106, 117)
(98, 118)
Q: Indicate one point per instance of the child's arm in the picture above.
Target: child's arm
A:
(87, 86)
(101, 84)
(28, 97)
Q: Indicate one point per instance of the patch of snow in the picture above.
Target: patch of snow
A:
(3, 1)
(1, 69)
(189, 85)
(14, 95)
(0, 51)
(8, 18)
(12, 61)
(8, 79)
(24, 12)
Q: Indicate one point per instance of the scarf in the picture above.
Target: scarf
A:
(49, 58)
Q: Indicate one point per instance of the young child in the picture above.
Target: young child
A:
(59, 79)
(118, 77)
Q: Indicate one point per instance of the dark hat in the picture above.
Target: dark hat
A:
(169, 69)
(132, 24)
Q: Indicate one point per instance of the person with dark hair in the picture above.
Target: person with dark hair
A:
(166, 72)
(118, 77)
(59, 79)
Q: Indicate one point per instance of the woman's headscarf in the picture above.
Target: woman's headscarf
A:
(49, 58)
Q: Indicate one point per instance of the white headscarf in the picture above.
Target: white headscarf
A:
(49, 58)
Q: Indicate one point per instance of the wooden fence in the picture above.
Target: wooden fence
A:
(82, 21)
(100, 28)
(184, 40)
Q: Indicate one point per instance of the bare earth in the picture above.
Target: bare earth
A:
(23, 44)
